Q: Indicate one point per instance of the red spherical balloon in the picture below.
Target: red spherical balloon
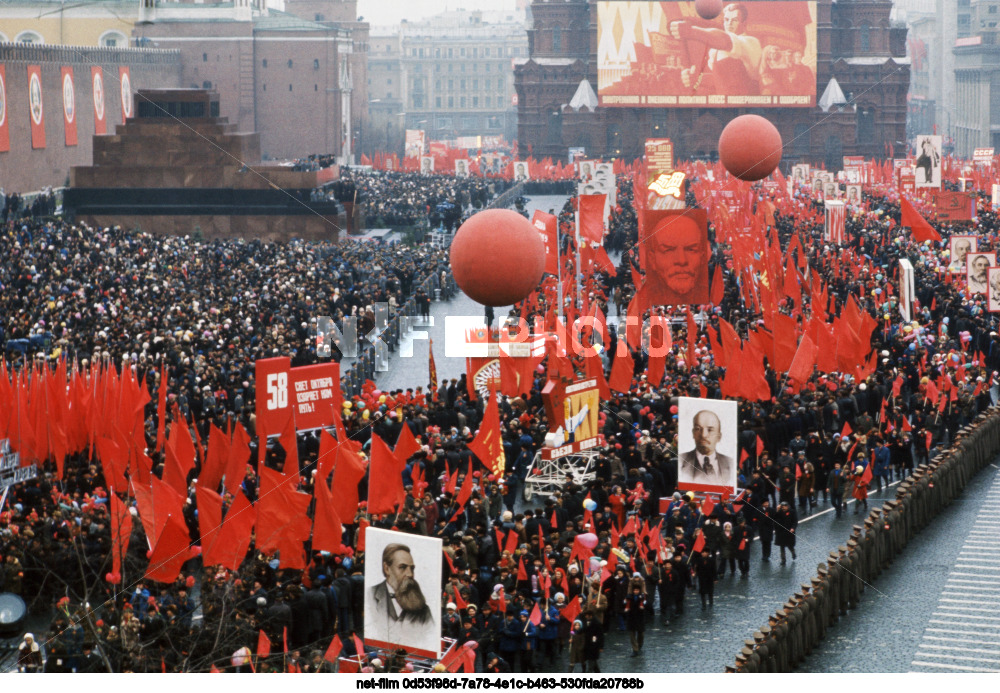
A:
(497, 257)
(750, 147)
(708, 9)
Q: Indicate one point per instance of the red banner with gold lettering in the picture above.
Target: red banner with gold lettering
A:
(69, 106)
(97, 90)
(36, 108)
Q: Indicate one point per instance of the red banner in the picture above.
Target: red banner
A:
(662, 54)
(36, 109)
(69, 106)
(547, 225)
(125, 82)
(315, 395)
(97, 84)
(4, 130)
(954, 206)
(273, 401)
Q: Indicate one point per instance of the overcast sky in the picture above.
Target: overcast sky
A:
(386, 12)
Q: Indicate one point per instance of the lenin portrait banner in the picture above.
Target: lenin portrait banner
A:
(993, 295)
(403, 591)
(707, 450)
(674, 254)
(662, 54)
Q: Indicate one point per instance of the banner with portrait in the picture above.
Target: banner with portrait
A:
(403, 591)
(426, 165)
(674, 253)
(959, 248)
(993, 295)
(461, 168)
(853, 194)
(978, 266)
(521, 171)
(927, 164)
(125, 85)
(414, 143)
(707, 448)
(663, 54)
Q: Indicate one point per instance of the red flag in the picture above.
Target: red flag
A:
(547, 226)
(347, 473)
(432, 371)
(465, 492)
(592, 217)
(282, 522)
(233, 540)
(121, 531)
(263, 645)
(332, 653)
(522, 574)
(406, 444)
(802, 364)
(846, 431)
(572, 609)
(699, 543)
(327, 530)
(922, 231)
(536, 615)
(171, 551)
(622, 370)
(209, 522)
(385, 480)
(511, 545)
(707, 507)
(718, 287)
(359, 646)
(488, 445)
(760, 446)
(161, 409)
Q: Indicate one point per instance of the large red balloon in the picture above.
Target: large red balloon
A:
(708, 9)
(750, 147)
(497, 257)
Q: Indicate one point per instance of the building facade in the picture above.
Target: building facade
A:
(450, 75)
(977, 81)
(858, 46)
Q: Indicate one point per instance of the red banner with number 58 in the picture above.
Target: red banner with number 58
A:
(273, 401)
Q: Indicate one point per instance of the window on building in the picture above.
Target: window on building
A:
(388, 80)
(553, 130)
(451, 85)
(864, 37)
(417, 100)
(264, 62)
(462, 52)
(470, 123)
(204, 57)
(444, 123)
(462, 67)
(489, 101)
(475, 84)
(993, 9)
(557, 41)
(315, 63)
(462, 103)
(263, 87)
(110, 39)
(437, 52)
(206, 85)
(315, 87)
(437, 102)
(866, 125)
(462, 85)
(289, 87)
(488, 66)
(475, 102)
(28, 37)
(437, 84)
(493, 122)
(450, 53)
(289, 64)
(451, 102)
(320, 17)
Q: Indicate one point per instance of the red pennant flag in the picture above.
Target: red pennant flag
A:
(511, 545)
(522, 574)
(385, 480)
(263, 645)
(488, 445)
(327, 529)
(592, 218)
(699, 543)
(707, 507)
(359, 646)
(622, 370)
(465, 492)
(922, 231)
(332, 653)
(406, 444)
(233, 540)
(846, 431)
(536, 615)
(554, 522)
(572, 609)
(718, 288)
(171, 551)
(760, 446)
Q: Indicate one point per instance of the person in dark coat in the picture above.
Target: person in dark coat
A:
(593, 642)
(707, 575)
(763, 522)
(785, 522)
(741, 545)
(634, 610)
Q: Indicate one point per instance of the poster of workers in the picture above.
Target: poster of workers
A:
(706, 444)
(658, 54)
(403, 591)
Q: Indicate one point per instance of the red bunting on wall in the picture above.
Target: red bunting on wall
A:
(36, 107)
(4, 129)
(97, 91)
(125, 86)
(69, 106)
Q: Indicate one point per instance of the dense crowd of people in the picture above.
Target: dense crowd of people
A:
(516, 582)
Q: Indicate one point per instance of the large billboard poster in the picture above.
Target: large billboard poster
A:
(403, 591)
(663, 54)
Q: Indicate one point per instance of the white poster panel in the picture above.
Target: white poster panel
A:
(461, 168)
(427, 165)
(993, 295)
(960, 247)
(707, 444)
(521, 171)
(403, 591)
(927, 166)
(907, 289)
(976, 272)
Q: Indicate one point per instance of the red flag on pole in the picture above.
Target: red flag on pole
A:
(333, 651)
(263, 644)
(536, 615)
(909, 216)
